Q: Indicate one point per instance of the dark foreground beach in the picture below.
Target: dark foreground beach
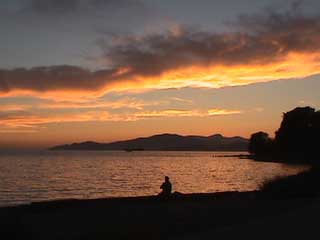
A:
(227, 215)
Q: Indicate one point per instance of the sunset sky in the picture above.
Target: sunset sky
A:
(106, 70)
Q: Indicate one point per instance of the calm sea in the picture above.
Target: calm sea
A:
(48, 175)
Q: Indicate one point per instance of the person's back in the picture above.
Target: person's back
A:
(166, 187)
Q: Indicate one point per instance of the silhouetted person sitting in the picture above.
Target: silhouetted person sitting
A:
(166, 188)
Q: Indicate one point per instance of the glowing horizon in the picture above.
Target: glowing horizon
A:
(168, 76)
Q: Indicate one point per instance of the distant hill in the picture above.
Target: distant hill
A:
(166, 142)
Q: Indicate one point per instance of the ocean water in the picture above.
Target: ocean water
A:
(48, 175)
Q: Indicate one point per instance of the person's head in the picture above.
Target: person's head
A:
(166, 178)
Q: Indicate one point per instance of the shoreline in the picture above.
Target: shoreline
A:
(176, 196)
(148, 217)
(286, 207)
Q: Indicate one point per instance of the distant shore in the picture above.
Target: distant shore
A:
(164, 142)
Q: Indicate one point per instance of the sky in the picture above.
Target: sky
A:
(106, 70)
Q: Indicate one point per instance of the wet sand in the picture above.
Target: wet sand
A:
(191, 216)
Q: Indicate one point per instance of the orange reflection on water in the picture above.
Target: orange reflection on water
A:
(48, 175)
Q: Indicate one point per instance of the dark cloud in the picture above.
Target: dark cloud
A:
(54, 78)
(263, 39)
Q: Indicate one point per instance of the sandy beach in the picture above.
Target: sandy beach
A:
(192, 216)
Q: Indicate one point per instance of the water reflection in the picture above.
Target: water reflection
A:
(55, 175)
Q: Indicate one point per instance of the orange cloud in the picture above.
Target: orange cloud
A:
(293, 66)
(31, 121)
(187, 113)
(217, 112)
(27, 122)
(121, 103)
(167, 113)
(14, 107)
(266, 48)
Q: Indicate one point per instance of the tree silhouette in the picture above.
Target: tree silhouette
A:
(297, 137)
(260, 143)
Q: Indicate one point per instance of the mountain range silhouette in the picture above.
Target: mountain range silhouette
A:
(166, 142)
